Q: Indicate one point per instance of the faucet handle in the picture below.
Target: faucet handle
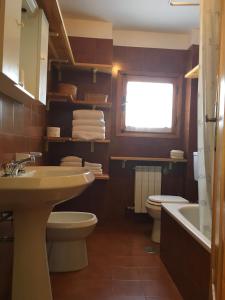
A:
(35, 154)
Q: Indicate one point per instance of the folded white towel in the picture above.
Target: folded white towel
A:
(71, 158)
(88, 136)
(88, 114)
(96, 172)
(88, 122)
(70, 163)
(100, 129)
(92, 165)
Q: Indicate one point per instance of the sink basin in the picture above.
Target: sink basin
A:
(31, 197)
(45, 184)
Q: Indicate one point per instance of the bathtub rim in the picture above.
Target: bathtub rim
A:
(173, 211)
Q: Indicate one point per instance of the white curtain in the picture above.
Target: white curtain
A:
(207, 91)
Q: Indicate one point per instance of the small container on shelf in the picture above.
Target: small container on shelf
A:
(177, 154)
(96, 98)
(67, 89)
(53, 132)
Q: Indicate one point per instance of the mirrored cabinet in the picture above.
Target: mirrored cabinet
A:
(24, 35)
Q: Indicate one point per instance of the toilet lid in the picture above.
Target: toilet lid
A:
(158, 199)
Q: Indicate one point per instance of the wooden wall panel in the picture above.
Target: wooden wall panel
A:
(190, 128)
(92, 50)
(111, 199)
(22, 127)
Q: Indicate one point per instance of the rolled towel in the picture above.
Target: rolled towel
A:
(88, 136)
(88, 122)
(93, 165)
(88, 114)
(100, 129)
(70, 163)
(71, 158)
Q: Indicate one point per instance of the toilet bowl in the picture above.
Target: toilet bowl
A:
(66, 240)
(153, 207)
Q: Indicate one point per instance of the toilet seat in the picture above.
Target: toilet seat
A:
(157, 200)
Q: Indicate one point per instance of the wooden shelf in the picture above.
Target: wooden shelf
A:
(94, 67)
(58, 97)
(93, 104)
(58, 139)
(59, 45)
(102, 177)
(92, 141)
(69, 139)
(193, 74)
(159, 159)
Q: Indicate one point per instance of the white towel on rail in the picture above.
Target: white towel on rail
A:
(88, 114)
(100, 129)
(88, 122)
(88, 136)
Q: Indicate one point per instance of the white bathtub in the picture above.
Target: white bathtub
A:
(187, 215)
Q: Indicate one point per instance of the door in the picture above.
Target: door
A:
(218, 231)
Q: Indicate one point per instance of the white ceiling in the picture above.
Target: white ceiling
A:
(146, 15)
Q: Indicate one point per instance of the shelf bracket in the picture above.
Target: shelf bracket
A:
(46, 146)
(94, 78)
(123, 164)
(92, 147)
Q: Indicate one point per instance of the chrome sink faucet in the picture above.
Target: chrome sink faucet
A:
(15, 167)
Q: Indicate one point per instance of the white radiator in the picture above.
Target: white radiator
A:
(147, 182)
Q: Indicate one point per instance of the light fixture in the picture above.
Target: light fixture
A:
(183, 3)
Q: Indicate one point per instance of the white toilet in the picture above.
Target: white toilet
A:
(66, 240)
(153, 206)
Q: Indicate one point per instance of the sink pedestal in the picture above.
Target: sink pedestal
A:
(30, 265)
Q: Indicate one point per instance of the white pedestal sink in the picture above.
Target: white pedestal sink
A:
(31, 197)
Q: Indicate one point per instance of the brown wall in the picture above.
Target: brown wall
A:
(111, 199)
(22, 127)
(190, 128)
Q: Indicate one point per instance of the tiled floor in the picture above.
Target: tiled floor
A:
(119, 268)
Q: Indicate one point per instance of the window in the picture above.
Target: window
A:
(148, 105)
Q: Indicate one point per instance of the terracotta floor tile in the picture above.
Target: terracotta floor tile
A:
(127, 288)
(119, 268)
(125, 273)
(160, 289)
(149, 273)
(135, 260)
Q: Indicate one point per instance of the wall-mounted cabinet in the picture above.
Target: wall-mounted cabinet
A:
(10, 29)
(34, 53)
(23, 49)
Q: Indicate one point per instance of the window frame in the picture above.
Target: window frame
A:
(123, 78)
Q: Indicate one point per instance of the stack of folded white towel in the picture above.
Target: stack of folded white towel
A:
(71, 161)
(94, 168)
(88, 125)
(75, 161)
